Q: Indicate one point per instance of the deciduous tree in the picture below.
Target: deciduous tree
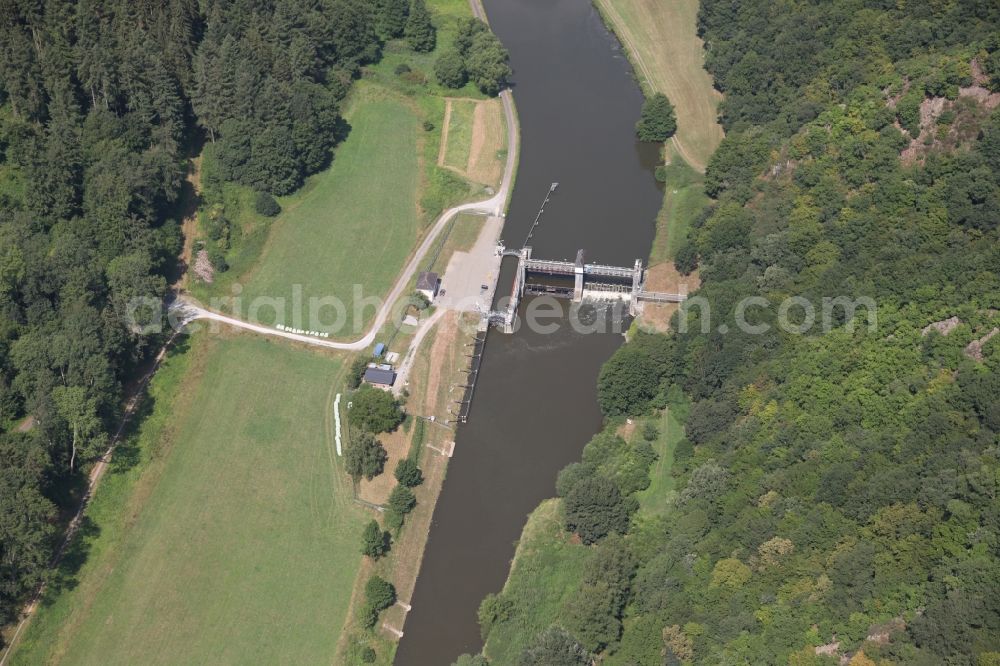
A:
(657, 122)
(374, 410)
(450, 69)
(555, 647)
(594, 508)
(380, 593)
(486, 63)
(80, 412)
(375, 542)
(402, 500)
(408, 474)
(364, 456)
(628, 381)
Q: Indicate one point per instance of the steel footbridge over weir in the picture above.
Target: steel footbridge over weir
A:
(590, 282)
(593, 282)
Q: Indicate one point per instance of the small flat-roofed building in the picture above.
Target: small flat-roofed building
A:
(380, 376)
(427, 284)
(379, 350)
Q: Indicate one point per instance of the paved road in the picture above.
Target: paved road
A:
(495, 205)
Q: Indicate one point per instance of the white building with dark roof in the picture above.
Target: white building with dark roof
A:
(380, 376)
(427, 284)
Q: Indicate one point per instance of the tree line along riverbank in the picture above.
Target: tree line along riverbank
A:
(800, 497)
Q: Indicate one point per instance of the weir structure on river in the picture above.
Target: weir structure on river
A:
(535, 403)
(595, 282)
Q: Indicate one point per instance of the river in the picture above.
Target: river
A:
(535, 403)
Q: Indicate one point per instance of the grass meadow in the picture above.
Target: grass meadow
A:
(357, 222)
(225, 532)
(684, 198)
(545, 573)
(549, 563)
(663, 45)
(459, 133)
(670, 423)
(359, 219)
(473, 144)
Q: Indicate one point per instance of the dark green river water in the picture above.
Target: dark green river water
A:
(535, 402)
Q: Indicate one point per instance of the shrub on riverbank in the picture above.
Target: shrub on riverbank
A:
(657, 123)
(555, 647)
(478, 56)
(450, 70)
(408, 474)
(266, 205)
(379, 595)
(375, 542)
(401, 502)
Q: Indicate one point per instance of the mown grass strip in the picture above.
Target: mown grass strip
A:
(225, 533)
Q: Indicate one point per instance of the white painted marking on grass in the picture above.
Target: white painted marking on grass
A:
(336, 416)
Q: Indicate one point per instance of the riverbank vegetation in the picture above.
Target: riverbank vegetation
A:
(662, 41)
(421, 450)
(658, 122)
(476, 55)
(683, 202)
(833, 496)
(473, 140)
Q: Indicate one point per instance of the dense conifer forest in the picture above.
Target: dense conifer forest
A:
(837, 493)
(102, 103)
